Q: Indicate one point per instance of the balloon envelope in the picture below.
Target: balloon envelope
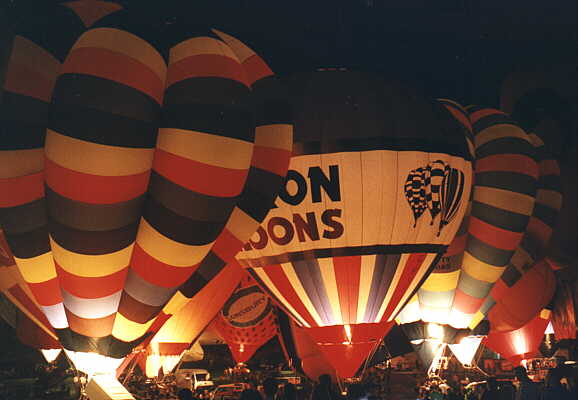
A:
(375, 192)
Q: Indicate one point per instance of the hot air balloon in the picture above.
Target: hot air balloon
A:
(340, 252)
(183, 329)
(521, 343)
(303, 354)
(451, 298)
(247, 320)
(136, 209)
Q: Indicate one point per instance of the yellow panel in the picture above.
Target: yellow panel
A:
(124, 43)
(14, 163)
(328, 276)
(478, 317)
(241, 225)
(176, 302)
(277, 136)
(26, 52)
(127, 330)
(169, 251)
(209, 149)
(480, 270)
(37, 269)
(199, 46)
(96, 159)
(241, 50)
(505, 199)
(441, 282)
(500, 131)
(91, 266)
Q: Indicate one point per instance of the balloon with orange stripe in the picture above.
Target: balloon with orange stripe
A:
(456, 293)
(342, 250)
(156, 172)
(34, 62)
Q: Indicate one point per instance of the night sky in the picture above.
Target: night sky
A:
(459, 49)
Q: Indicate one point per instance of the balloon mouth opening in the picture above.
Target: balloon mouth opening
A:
(93, 363)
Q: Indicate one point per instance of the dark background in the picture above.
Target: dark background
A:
(459, 49)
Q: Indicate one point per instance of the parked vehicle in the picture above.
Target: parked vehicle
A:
(192, 378)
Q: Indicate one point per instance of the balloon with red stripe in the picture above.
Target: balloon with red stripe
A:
(35, 61)
(135, 206)
(247, 320)
(460, 292)
(340, 252)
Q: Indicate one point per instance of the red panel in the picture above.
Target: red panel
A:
(32, 335)
(94, 189)
(458, 245)
(492, 235)
(508, 163)
(499, 290)
(549, 167)
(28, 304)
(91, 287)
(270, 159)
(540, 230)
(116, 67)
(21, 190)
(347, 272)
(519, 344)
(157, 272)
(277, 276)
(226, 246)
(199, 177)
(465, 303)
(172, 349)
(346, 358)
(255, 69)
(205, 65)
(524, 300)
(410, 270)
(47, 293)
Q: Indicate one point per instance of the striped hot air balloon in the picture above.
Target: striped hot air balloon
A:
(340, 252)
(451, 296)
(34, 61)
(247, 320)
(156, 171)
(185, 327)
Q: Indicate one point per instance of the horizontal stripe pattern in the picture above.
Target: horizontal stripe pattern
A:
(506, 181)
(214, 177)
(28, 87)
(99, 153)
(533, 245)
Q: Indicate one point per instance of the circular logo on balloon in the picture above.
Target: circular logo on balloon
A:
(246, 307)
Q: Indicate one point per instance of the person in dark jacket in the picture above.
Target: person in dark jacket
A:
(553, 390)
(324, 389)
(527, 390)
